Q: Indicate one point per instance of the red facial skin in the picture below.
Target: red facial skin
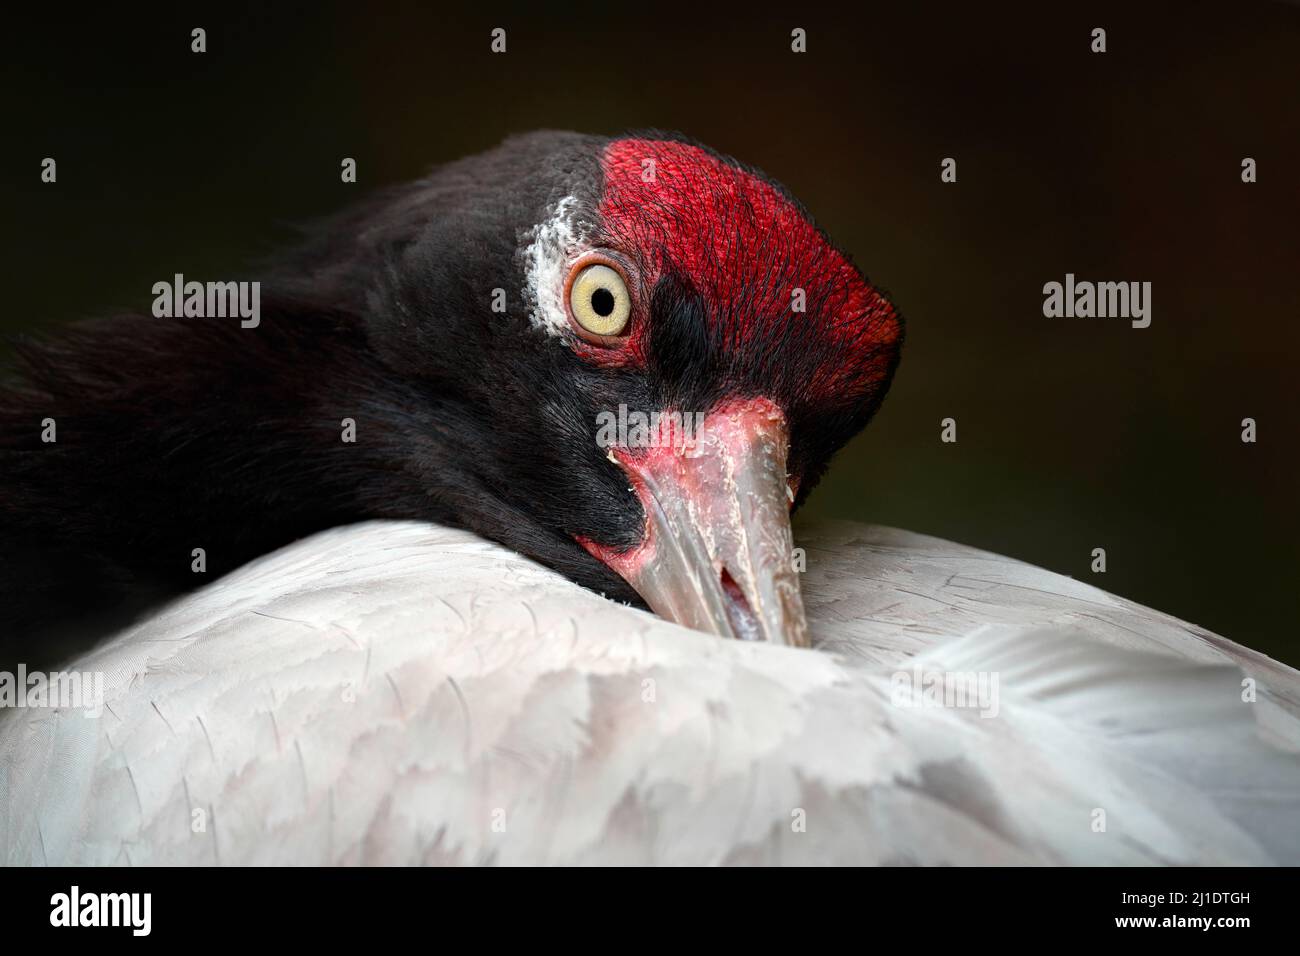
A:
(745, 247)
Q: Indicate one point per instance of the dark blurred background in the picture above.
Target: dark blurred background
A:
(1073, 433)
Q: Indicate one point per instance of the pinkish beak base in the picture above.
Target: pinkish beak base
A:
(718, 555)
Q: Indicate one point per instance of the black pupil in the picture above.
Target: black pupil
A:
(602, 301)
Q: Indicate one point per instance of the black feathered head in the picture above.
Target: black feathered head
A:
(628, 358)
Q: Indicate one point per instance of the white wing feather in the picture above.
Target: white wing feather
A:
(879, 594)
(403, 693)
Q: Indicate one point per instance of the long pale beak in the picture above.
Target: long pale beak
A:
(718, 555)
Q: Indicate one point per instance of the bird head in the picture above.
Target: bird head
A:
(629, 358)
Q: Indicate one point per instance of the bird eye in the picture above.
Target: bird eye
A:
(600, 301)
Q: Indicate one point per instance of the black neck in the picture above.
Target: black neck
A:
(171, 435)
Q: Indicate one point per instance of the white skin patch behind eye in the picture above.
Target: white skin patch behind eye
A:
(552, 245)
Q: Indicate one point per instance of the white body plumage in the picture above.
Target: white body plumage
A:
(402, 693)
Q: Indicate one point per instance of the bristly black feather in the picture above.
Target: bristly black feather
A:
(176, 434)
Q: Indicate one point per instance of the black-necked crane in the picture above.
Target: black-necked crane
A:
(460, 680)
